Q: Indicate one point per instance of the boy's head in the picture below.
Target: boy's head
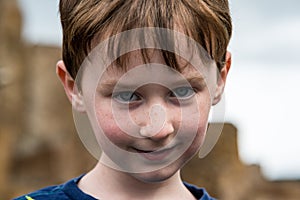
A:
(149, 108)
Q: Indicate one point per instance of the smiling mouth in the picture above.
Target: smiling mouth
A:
(154, 155)
(143, 151)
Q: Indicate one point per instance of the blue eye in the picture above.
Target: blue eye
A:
(183, 92)
(126, 97)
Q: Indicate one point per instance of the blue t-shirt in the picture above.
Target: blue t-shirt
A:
(70, 191)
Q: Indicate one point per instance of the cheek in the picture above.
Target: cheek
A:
(197, 142)
(110, 128)
(199, 139)
(198, 129)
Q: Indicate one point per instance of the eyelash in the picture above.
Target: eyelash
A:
(117, 96)
(134, 97)
(190, 93)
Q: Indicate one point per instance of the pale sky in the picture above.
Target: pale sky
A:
(262, 94)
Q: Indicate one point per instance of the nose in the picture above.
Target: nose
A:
(159, 126)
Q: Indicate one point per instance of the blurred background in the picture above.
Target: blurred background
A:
(257, 155)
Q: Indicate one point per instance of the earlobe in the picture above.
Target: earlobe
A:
(222, 76)
(77, 102)
(68, 83)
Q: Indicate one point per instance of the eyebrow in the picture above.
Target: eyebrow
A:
(109, 85)
(195, 79)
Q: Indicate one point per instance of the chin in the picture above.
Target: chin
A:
(155, 176)
(159, 175)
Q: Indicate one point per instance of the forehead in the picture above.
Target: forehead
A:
(135, 68)
(138, 73)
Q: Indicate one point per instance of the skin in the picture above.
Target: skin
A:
(102, 182)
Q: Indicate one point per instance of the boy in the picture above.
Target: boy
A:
(145, 73)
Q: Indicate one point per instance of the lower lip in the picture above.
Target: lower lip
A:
(156, 155)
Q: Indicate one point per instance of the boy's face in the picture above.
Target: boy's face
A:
(150, 119)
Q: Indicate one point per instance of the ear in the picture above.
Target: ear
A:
(222, 76)
(68, 83)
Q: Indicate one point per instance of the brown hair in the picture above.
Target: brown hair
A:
(207, 21)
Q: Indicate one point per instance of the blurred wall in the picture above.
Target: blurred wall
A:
(39, 145)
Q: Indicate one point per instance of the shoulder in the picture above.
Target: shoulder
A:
(52, 192)
(199, 193)
(66, 191)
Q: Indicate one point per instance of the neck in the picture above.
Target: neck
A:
(106, 183)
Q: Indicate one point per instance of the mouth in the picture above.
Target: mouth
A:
(154, 155)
